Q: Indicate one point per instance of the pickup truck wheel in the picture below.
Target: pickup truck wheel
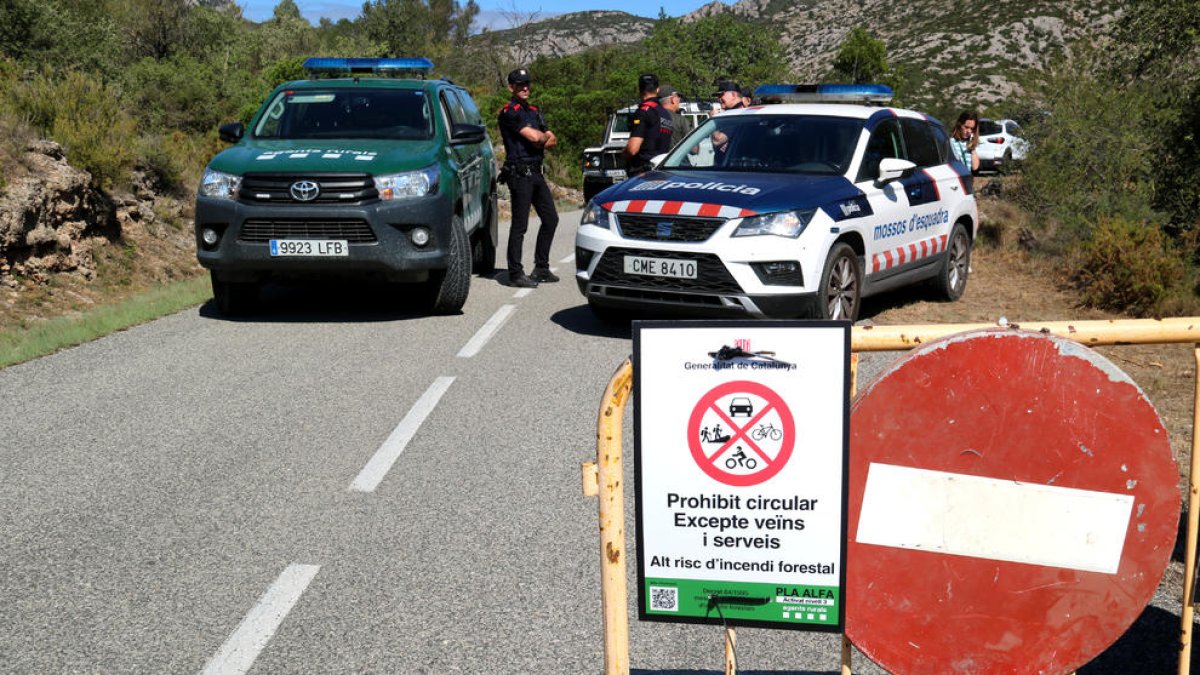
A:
(448, 288)
(483, 246)
(233, 299)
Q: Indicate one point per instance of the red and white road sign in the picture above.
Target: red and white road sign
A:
(1013, 505)
(741, 433)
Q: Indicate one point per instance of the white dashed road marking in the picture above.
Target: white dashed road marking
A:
(485, 333)
(381, 462)
(243, 647)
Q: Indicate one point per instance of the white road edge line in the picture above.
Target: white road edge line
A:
(381, 462)
(252, 635)
(570, 258)
(522, 292)
(485, 333)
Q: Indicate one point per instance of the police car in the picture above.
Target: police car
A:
(800, 208)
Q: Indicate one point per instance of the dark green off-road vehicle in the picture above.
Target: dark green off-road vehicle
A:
(362, 174)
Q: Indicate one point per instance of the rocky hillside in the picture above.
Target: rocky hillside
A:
(967, 53)
(54, 224)
(570, 33)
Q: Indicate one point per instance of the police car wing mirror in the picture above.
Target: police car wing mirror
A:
(232, 132)
(658, 159)
(467, 134)
(891, 168)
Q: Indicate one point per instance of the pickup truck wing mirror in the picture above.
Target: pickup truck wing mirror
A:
(232, 132)
(467, 134)
(891, 168)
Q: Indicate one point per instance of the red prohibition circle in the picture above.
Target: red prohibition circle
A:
(708, 463)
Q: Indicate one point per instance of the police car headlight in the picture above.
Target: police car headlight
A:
(594, 214)
(408, 184)
(219, 184)
(783, 224)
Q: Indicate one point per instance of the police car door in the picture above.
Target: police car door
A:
(885, 236)
(933, 189)
(468, 161)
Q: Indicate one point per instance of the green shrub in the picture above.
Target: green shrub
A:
(1128, 266)
(85, 116)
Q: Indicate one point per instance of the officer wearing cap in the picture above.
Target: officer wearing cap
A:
(729, 95)
(747, 97)
(650, 129)
(526, 139)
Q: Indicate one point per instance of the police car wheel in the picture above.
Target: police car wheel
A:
(233, 299)
(448, 288)
(841, 285)
(951, 280)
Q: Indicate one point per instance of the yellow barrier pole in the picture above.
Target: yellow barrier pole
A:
(847, 656)
(730, 651)
(1090, 333)
(604, 478)
(1189, 561)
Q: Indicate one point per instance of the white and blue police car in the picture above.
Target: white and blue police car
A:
(799, 206)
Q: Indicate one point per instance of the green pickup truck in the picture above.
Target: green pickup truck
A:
(363, 170)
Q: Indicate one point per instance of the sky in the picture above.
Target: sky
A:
(491, 11)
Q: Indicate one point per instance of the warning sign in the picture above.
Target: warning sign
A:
(739, 519)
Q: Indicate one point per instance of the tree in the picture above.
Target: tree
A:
(418, 27)
(860, 58)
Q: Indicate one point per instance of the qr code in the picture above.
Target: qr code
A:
(664, 599)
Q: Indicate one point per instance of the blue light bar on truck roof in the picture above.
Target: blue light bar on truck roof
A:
(823, 93)
(319, 65)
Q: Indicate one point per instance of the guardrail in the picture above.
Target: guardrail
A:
(604, 478)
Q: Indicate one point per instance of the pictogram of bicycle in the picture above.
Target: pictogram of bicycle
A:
(763, 431)
(739, 458)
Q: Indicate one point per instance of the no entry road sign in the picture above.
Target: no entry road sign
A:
(1013, 505)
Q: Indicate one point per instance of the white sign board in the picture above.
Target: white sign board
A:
(741, 437)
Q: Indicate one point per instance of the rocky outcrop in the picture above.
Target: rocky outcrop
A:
(51, 218)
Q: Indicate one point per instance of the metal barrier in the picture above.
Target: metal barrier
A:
(605, 477)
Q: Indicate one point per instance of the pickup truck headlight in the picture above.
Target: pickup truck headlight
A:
(219, 184)
(408, 184)
(782, 224)
(594, 214)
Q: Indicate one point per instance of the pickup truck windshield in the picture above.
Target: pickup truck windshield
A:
(347, 113)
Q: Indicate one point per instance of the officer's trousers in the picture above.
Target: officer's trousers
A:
(526, 191)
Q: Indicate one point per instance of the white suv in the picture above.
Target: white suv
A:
(784, 210)
(1000, 144)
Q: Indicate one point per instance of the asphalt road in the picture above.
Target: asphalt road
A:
(336, 484)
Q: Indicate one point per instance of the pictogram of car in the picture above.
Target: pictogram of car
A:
(740, 405)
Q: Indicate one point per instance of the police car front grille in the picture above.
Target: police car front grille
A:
(353, 231)
(335, 188)
(675, 228)
(711, 275)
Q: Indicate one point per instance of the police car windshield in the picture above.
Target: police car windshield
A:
(347, 113)
(769, 143)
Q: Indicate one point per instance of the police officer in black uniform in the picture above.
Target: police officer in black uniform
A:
(526, 139)
(650, 129)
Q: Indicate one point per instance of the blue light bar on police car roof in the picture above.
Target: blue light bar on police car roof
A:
(319, 65)
(823, 93)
